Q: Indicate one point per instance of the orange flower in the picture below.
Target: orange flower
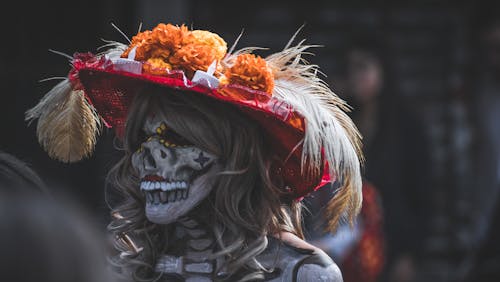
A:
(158, 52)
(159, 63)
(156, 66)
(207, 38)
(193, 57)
(251, 71)
(170, 36)
(143, 43)
(172, 47)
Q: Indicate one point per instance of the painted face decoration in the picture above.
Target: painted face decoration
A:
(175, 175)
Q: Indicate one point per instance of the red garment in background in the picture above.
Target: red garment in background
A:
(365, 260)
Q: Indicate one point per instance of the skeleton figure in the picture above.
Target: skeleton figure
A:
(220, 145)
(204, 202)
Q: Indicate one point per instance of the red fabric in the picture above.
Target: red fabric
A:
(111, 92)
(366, 260)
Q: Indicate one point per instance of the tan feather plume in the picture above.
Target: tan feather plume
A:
(330, 134)
(67, 125)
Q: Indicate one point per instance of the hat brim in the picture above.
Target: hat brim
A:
(111, 92)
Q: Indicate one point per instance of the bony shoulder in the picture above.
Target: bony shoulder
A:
(312, 272)
(317, 266)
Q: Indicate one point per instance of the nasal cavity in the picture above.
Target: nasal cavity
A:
(163, 154)
(149, 160)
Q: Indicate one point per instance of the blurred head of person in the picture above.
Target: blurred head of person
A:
(364, 75)
(17, 177)
(363, 88)
(42, 239)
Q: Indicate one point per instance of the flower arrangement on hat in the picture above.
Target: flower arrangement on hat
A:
(168, 47)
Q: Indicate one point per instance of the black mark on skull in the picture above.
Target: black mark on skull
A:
(202, 159)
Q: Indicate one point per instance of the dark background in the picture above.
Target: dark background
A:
(434, 67)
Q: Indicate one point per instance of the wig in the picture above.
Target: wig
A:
(246, 204)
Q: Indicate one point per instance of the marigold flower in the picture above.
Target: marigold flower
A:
(207, 38)
(156, 66)
(251, 71)
(157, 52)
(170, 36)
(143, 43)
(172, 47)
(191, 58)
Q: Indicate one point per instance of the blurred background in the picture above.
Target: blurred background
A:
(422, 78)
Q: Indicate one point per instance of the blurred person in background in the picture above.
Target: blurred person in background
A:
(360, 250)
(396, 160)
(15, 173)
(43, 239)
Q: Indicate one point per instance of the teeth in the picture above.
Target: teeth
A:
(164, 186)
(171, 196)
(156, 198)
(162, 192)
(163, 197)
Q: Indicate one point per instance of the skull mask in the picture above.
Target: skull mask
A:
(175, 175)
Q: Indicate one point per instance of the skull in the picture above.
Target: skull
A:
(175, 175)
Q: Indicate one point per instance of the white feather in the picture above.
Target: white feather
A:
(115, 49)
(330, 135)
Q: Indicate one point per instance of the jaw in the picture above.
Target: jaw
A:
(169, 212)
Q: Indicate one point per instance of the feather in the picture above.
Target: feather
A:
(115, 49)
(67, 124)
(330, 135)
(61, 54)
(121, 32)
(47, 104)
(235, 43)
(230, 58)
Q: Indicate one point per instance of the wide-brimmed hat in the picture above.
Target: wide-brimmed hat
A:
(302, 119)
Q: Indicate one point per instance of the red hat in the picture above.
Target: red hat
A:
(304, 121)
